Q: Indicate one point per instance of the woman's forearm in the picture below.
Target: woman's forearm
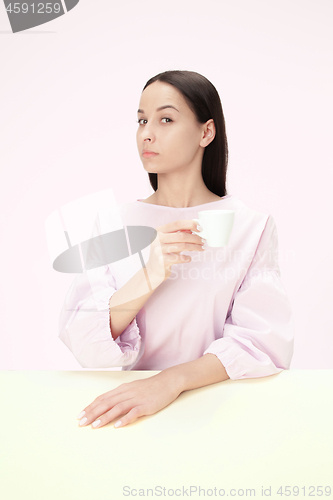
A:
(149, 395)
(204, 371)
(126, 302)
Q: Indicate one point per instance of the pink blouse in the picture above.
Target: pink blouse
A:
(227, 301)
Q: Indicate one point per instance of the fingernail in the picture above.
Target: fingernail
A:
(118, 424)
(96, 423)
(80, 415)
(199, 227)
(83, 421)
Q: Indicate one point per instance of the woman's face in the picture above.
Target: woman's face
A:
(172, 133)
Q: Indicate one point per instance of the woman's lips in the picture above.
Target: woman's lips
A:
(149, 154)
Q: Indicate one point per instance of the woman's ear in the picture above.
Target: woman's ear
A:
(209, 132)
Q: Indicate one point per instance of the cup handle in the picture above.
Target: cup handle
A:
(201, 233)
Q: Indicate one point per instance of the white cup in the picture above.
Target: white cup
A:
(216, 226)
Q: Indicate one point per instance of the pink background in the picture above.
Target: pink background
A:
(69, 94)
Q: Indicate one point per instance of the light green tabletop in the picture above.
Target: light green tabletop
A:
(259, 434)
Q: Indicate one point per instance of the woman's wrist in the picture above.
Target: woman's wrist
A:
(204, 371)
(156, 278)
(172, 379)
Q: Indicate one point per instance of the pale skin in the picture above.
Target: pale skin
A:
(179, 141)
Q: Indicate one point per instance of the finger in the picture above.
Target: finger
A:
(179, 241)
(177, 258)
(132, 415)
(89, 416)
(192, 241)
(185, 247)
(181, 258)
(100, 405)
(117, 393)
(90, 409)
(107, 417)
(179, 225)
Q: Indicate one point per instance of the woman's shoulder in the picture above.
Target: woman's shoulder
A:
(250, 222)
(235, 203)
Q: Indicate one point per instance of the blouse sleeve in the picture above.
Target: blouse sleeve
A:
(258, 335)
(84, 325)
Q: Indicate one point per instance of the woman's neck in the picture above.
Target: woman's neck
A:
(182, 201)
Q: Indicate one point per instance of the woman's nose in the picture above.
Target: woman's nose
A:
(148, 134)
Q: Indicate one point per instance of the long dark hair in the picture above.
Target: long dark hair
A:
(203, 99)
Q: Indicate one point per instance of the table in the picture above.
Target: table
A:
(259, 434)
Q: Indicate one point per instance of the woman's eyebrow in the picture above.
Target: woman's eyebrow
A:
(160, 108)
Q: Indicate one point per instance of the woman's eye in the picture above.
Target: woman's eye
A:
(144, 120)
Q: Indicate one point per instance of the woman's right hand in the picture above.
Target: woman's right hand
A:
(171, 239)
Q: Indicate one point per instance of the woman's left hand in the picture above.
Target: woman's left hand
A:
(132, 400)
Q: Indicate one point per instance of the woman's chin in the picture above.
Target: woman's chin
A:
(150, 170)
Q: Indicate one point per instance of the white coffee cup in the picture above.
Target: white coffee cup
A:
(216, 226)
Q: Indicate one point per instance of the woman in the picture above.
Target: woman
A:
(201, 316)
